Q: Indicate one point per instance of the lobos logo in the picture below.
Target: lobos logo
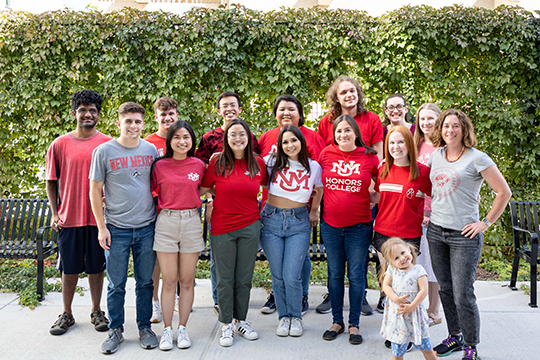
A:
(345, 169)
(292, 180)
(445, 181)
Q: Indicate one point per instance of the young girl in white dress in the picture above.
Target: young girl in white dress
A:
(406, 286)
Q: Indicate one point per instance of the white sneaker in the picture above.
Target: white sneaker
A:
(227, 335)
(297, 327)
(157, 316)
(245, 329)
(182, 338)
(283, 327)
(166, 342)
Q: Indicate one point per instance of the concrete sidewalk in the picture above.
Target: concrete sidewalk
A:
(510, 330)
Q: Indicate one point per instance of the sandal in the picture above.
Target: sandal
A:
(434, 320)
(331, 334)
(355, 339)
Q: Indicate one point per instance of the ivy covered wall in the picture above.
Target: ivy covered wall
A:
(485, 62)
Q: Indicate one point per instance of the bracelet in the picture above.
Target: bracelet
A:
(209, 200)
(487, 222)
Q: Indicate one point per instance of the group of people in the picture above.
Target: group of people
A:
(371, 185)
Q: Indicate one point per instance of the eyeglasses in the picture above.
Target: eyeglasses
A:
(237, 136)
(397, 107)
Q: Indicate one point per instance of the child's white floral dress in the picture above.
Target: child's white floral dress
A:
(400, 328)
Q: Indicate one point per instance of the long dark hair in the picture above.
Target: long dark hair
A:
(359, 142)
(224, 164)
(175, 126)
(281, 160)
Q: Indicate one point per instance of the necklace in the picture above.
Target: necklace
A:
(459, 156)
(346, 159)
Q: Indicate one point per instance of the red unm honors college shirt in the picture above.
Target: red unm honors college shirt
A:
(346, 177)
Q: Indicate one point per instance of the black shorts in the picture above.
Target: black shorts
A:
(80, 250)
(379, 239)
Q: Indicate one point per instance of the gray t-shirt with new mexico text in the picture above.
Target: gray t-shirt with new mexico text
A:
(456, 187)
(126, 176)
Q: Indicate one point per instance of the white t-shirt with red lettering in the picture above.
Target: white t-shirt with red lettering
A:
(401, 206)
(346, 177)
(236, 204)
(294, 182)
(68, 161)
(178, 182)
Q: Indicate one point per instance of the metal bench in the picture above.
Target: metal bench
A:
(525, 233)
(25, 234)
(316, 248)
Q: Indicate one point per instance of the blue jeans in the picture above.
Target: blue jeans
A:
(454, 259)
(285, 240)
(346, 244)
(140, 241)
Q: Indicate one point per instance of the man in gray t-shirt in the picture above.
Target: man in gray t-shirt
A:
(121, 170)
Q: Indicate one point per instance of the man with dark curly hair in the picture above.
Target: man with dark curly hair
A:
(67, 167)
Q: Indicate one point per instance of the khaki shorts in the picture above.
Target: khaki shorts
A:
(179, 231)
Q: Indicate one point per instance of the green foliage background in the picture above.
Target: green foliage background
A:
(484, 62)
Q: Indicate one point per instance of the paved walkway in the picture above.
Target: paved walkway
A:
(510, 330)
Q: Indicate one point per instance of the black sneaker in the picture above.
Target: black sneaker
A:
(450, 344)
(366, 308)
(305, 304)
(380, 304)
(62, 324)
(469, 353)
(325, 307)
(270, 305)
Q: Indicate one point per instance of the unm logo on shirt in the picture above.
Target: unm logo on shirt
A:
(292, 180)
(343, 168)
(273, 149)
(193, 176)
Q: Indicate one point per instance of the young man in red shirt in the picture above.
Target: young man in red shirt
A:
(165, 113)
(67, 167)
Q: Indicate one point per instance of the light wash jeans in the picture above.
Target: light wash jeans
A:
(346, 244)
(141, 242)
(285, 239)
(455, 258)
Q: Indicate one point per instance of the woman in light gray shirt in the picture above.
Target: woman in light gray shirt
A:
(455, 232)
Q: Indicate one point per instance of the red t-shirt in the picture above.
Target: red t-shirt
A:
(268, 142)
(178, 182)
(346, 177)
(401, 206)
(236, 205)
(368, 122)
(159, 143)
(68, 161)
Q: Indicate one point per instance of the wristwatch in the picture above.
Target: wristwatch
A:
(487, 222)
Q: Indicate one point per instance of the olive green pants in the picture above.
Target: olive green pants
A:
(234, 258)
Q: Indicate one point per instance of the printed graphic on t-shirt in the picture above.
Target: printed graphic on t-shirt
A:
(398, 188)
(290, 180)
(445, 181)
(132, 164)
(273, 149)
(424, 158)
(343, 168)
(193, 176)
